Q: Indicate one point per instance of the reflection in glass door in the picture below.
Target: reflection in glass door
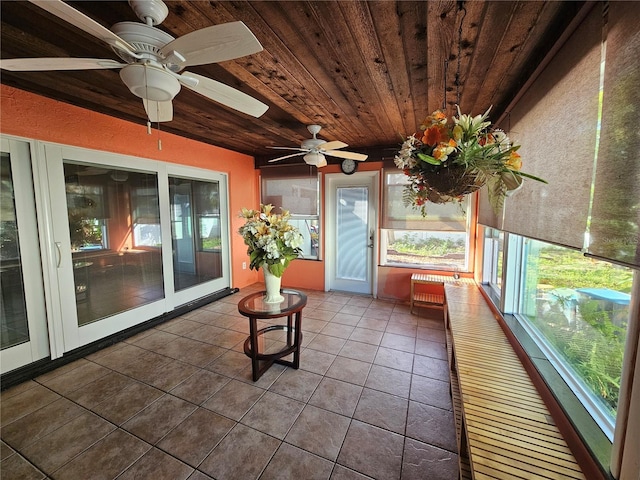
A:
(114, 226)
(196, 231)
(23, 329)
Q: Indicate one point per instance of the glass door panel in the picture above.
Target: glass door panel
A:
(114, 226)
(196, 231)
(352, 232)
(13, 321)
(23, 329)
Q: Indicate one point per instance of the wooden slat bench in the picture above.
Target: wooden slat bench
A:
(429, 299)
(504, 430)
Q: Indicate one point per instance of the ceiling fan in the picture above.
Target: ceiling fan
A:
(315, 149)
(153, 58)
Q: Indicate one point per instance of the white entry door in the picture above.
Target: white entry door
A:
(351, 232)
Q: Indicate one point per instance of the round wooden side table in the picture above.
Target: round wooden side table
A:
(254, 307)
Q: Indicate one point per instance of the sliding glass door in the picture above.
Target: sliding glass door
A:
(23, 327)
(137, 238)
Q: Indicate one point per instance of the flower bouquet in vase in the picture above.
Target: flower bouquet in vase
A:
(272, 243)
(451, 158)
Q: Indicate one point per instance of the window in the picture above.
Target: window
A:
(578, 311)
(439, 241)
(493, 258)
(296, 189)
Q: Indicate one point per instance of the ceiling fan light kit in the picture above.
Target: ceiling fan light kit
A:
(155, 58)
(150, 83)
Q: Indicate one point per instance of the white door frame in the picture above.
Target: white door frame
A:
(332, 180)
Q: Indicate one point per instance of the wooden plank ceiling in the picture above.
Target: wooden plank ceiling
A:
(366, 71)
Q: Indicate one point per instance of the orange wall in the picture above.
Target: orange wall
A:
(31, 116)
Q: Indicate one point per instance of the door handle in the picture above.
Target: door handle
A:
(59, 254)
(371, 238)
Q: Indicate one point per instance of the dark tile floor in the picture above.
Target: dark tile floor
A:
(370, 400)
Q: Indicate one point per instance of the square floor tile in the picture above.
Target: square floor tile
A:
(36, 425)
(382, 410)
(349, 370)
(58, 447)
(421, 461)
(106, 459)
(157, 465)
(430, 391)
(336, 396)
(155, 421)
(431, 425)
(292, 462)
(128, 402)
(234, 399)
(242, 455)
(193, 439)
(388, 357)
(200, 386)
(319, 431)
(297, 384)
(389, 380)
(372, 451)
(273, 414)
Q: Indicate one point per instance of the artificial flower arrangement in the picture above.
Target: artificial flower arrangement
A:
(450, 159)
(272, 241)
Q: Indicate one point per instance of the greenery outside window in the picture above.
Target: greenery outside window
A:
(577, 309)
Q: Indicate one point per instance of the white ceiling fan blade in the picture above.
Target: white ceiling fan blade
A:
(286, 156)
(69, 14)
(58, 63)
(351, 155)
(224, 94)
(333, 145)
(158, 111)
(214, 44)
(291, 148)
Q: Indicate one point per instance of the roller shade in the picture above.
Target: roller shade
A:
(292, 187)
(556, 121)
(615, 221)
(395, 215)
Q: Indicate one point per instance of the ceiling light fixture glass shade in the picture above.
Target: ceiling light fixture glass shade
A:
(152, 83)
(316, 159)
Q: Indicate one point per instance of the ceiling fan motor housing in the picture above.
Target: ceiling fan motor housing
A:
(151, 12)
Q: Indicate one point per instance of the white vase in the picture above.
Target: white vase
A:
(272, 284)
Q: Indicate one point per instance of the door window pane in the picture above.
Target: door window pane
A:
(117, 264)
(352, 233)
(196, 231)
(13, 312)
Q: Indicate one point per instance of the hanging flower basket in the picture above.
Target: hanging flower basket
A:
(449, 159)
